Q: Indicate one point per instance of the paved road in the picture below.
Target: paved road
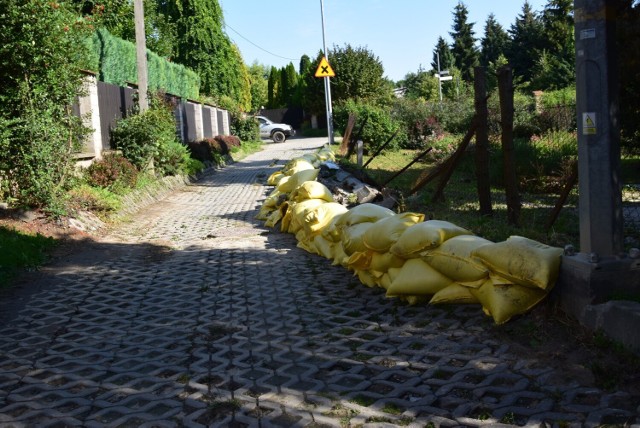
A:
(194, 314)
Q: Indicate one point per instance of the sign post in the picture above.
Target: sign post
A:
(326, 73)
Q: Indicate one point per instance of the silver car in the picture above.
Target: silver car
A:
(278, 132)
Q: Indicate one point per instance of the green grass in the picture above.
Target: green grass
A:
(19, 251)
(461, 204)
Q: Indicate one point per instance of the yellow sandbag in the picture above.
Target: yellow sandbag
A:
(382, 262)
(453, 259)
(359, 260)
(273, 218)
(282, 185)
(264, 212)
(317, 218)
(324, 247)
(352, 237)
(275, 178)
(385, 232)
(272, 200)
(384, 281)
(364, 213)
(297, 179)
(366, 278)
(523, 261)
(454, 293)
(339, 256)
(296, 213)
(311, 190)
(296, 165)
(502, 302)
(332, 232)
(424, 236)
(417, 278)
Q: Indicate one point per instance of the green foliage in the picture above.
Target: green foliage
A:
(421, 85)
(273, 91)
(442, 51)
(419, 124)
(117, 65)
(246, 128)
(494, 42)
(39, 71)
(202, 45)
(455, 116)
(527, 38)
(113, 172)
(379, 124)
(19, 251)
(258, 76)
(99, 200)
(463, 49)
(151, 137)
(359, 76)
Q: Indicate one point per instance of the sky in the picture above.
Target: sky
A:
(401, 33)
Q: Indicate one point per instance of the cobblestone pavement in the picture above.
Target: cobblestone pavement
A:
(193, 314)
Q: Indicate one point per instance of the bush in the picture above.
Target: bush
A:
(378, 128)
(113, 172)
(419, 124)
(455, 116)
(151, 136)
(246, 128)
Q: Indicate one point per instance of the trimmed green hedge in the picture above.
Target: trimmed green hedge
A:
(115, 60)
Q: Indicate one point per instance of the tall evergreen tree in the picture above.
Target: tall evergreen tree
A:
(556, 66)
(203, 46)
(305, 63)
(463, 48)
(442, 50)
(288, 84)
(526, 45)
(494, 43)
(273, 88)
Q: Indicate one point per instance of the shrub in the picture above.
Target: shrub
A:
(151, 136)
(378, 128)
(419, 124)
(113, 172)
(96, 199)
(246, 128)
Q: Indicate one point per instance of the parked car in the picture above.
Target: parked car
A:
(278, 132)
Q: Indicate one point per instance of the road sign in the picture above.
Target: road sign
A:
(324, 69)
(444, 78)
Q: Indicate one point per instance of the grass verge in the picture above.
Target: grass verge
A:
(20, 251)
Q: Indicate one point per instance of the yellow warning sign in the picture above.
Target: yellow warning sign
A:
(589, 126)
(324, 69)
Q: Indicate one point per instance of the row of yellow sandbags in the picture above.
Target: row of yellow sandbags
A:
(419, 261)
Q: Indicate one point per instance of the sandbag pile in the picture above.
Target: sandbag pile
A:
(413, 259)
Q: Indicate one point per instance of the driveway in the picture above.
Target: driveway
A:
(191, 313)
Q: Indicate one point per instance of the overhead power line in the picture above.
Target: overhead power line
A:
(259, 47)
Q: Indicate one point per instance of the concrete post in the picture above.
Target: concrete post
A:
(198, 121)
(89, 111)
(601, 269)
(225, 123)
(214, 121)
(601, 222)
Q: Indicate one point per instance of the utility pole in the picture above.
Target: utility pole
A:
(141, 55)
(327, 82)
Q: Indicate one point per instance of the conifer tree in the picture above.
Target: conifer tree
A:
(443, 50)
(463, 48)
(494, 42)
(526, 46)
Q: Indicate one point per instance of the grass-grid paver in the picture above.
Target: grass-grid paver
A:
(194, 314)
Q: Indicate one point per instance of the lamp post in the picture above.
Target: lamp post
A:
(327, 83)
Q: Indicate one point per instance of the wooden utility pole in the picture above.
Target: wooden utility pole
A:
(141, 55)
(482, 142)
(505, 89)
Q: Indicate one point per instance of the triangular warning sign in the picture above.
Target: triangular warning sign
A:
(590, 121)
(324, 69)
